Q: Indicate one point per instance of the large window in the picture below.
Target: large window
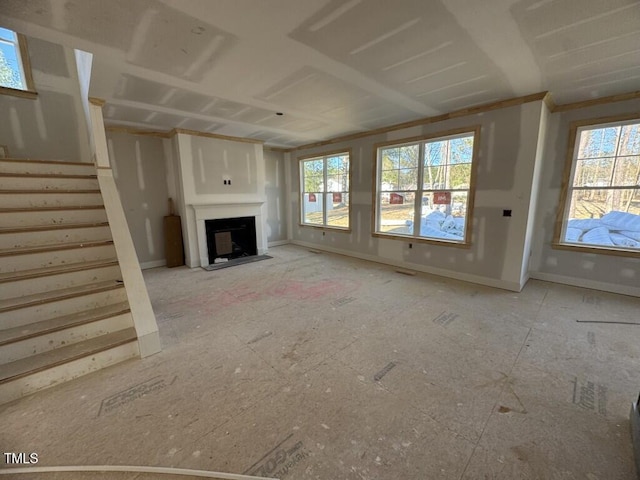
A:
(424, 187)
(600, 206)
(324, 197)
(15, 71)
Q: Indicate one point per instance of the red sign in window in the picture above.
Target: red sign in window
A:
(396, 199)
(312, 198)
(441, 198)
(337, 198)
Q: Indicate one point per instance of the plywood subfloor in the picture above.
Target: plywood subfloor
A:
(314, 366)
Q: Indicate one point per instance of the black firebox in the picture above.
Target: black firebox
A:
(231, 238)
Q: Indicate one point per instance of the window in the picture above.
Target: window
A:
(424, 187)
(15, 71)
(324, 191)
(600, 205)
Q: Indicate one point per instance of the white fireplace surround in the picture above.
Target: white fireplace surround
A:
(228, 210)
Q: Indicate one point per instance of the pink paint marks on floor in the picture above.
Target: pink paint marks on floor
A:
(309, 290)
(210, 302)
(287, 289)
(241, 294)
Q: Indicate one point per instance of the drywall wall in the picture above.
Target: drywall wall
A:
(206, 162)
(138, 164)
(276, 196)
(507, 157)
(84, 63)
(51, 126)
(202, 164)
(174, 178)
(535, 175)
(604, 272)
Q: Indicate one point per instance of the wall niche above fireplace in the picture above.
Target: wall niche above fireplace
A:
(231, 238)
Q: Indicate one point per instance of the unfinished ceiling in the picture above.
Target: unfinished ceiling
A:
(333, 67)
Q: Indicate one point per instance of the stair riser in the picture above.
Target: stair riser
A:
(30, 286)
(47, 168)
(51, 341)
(57, 375)
(57, 217)
(46, 311)
(51, 237)
(36, 183)
(26, 200)
(17, 263)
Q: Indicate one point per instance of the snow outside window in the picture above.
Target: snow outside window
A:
(425, 188)
(602, 191)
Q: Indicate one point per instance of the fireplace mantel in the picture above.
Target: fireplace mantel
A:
(219, 210)
(203, 207)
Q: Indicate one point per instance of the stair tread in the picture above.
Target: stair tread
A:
(46, 162)
(59, 226)
(6, 252)
(51, 208)
(47, 175)
(56, 269)
(59, 356)
(38, 191)
(15, 334)
(55, 295)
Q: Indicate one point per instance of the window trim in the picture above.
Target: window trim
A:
(30, 91)
(468, 229)
(562, 210)
(324, 155)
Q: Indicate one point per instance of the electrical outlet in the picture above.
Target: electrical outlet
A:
(506, 213)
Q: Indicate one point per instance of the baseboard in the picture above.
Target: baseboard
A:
(149, 344)
(152, 264)
(581, 282)
(277, 243)
(465, 277)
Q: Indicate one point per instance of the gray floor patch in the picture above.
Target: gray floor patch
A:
(378, 376)
(342, 301)
(133, 393)
(591, 299)
(278, 461)
(260, 337)
(590, 395)
(445, 318)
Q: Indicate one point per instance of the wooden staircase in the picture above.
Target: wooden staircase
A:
(63, 307)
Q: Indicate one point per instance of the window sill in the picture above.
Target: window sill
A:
(431, 241)
(14, 92)
(326, 227)
(616, 251)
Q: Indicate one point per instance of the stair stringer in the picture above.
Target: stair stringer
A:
(144, 318)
